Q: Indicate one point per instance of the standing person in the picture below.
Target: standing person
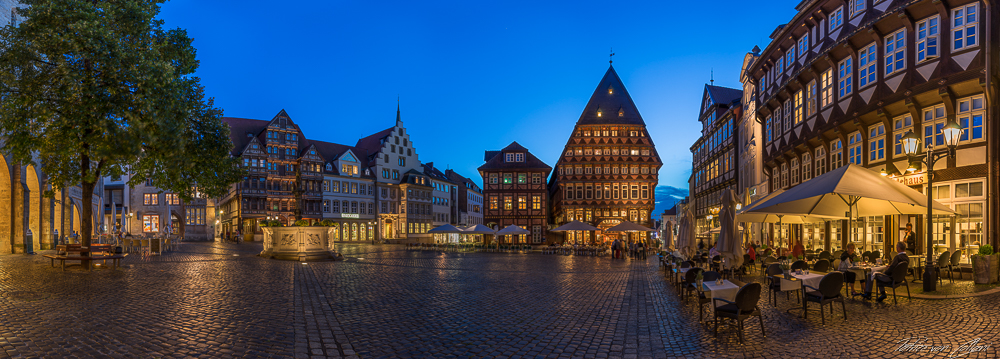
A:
(910, 238)
(641, 250)
(798, 250)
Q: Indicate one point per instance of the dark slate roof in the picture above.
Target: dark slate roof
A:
(723, 95)
(241, 130)
(462, 180)
(435, 173)
(670, 212)
(489, 155)
(332, 151)
(530, 161)
(372, 144)
(610, 104)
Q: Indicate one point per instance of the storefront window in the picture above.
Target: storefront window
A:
(150, 223)
(942, 228)
(836, 235)
(874, 233)
(969, 223)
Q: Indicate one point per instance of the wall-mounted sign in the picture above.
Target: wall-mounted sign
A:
(349, 215)
(911, 179)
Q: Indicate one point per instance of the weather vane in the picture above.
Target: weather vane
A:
(611, 56)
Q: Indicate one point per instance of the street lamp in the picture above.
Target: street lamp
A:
(952, 132)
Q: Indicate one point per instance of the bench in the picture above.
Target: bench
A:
(115, 259)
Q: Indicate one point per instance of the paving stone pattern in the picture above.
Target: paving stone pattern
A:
(219, 300)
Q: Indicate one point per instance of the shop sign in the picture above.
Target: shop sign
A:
(349, 215)
(912, 179)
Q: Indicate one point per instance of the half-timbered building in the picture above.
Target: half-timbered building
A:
(515, 192)
(609, 168)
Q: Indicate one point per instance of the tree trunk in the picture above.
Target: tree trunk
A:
(86, 213)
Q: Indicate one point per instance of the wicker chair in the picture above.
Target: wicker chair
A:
(827, 293)
(741, 308)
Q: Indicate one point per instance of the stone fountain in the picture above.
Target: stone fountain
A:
(298, 243)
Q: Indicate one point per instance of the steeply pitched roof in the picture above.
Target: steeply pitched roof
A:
(462, 180)
(372, 144)
(530, 161)
(723, 95)
(610, 103)
(242, 130)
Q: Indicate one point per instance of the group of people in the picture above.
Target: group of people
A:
(620, 249)
(849, 259)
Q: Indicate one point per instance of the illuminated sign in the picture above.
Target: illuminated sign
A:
(349, 215)
(911, 179)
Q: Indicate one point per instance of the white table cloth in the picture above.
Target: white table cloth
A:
(727, 290)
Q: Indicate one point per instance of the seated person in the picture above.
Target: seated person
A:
(846, 262)
(886, 278)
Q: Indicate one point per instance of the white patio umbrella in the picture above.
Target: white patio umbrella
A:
(848, 191)
(629, 227)
(729, 244)
(512, 230)
(745, 215)
(478, 229)
(575, 226)
(446, 229)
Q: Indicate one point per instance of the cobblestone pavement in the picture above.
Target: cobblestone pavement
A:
(219, 300)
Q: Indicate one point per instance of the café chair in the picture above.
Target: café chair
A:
(741, 308)
(898, 279)
(827, 293)
(955, 264)
(822, 265)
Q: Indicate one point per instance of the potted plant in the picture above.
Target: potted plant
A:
(699, 278)
(302, 223)
(985, 265)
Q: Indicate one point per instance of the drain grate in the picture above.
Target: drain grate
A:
(25, 295)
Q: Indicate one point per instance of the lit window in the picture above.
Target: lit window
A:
(927, 39)
(895, 47)
(798, 107)
(964, 26)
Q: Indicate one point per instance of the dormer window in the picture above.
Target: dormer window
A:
(610, 90)
(621, 112)
(329, 167)
(598, 112)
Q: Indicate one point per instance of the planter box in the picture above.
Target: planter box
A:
(985, 268)
(298, 243)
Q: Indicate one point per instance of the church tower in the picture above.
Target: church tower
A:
(607, 173)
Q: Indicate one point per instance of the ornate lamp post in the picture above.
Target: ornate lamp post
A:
(952, 132)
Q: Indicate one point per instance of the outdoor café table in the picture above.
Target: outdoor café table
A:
(916, 263)
(727, 290)
(798, 281)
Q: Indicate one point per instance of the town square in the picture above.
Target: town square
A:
(328, 179)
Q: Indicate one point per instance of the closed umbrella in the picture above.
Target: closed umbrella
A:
(685, 236)
(668, 235)
(729, 245)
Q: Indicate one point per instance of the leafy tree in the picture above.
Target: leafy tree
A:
(97, 88)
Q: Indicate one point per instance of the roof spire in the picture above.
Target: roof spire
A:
(398, 120)
(712, 78)
(610, 57)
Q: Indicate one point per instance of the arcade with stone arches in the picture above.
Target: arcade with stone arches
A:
(25, 210)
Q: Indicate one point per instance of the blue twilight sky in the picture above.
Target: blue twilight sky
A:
(472, 75)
